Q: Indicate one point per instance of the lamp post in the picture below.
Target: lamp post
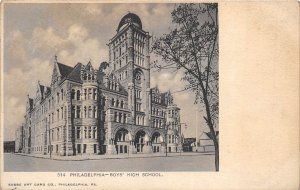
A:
(50, 147)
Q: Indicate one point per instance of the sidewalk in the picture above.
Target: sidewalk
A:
(114, 156)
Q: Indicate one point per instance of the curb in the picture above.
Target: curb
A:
(84, 159)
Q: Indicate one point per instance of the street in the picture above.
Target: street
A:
(196, 162)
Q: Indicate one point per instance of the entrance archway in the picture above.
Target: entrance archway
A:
(122, 139)
(156, 141)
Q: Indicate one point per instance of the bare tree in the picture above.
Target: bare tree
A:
(192, 46)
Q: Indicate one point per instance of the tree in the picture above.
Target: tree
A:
(192, 46)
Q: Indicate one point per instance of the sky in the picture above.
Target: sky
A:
(35, 33)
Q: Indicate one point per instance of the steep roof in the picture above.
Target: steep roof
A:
(64, 69)
(130, 17)
(74, 75)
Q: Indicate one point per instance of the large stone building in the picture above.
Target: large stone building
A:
(109, 110)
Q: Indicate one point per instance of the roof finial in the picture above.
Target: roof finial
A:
(55, 58)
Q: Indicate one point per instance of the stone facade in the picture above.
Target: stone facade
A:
(109, 110)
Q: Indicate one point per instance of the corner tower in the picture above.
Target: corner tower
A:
(129, 59)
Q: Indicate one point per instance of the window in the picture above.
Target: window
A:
(115, 116)
(78, 131)
(95, 112)
(94, 133)
(122, 104)
(73, 94)
(73, 111)
(124, 118)
(112, 102)
(121, 148)
(57, 115)
(90, 94)
(78, 95)
(78, 112)
(79, 148)
(90, 132)
(138, 106)
(57, 97)
(58, 134)
(120, 117)
(84, 148)
(95, 94)
(95, 148)
(85, 132)
(103, 101)
(90, 112)
(85, 94)
(103, 115)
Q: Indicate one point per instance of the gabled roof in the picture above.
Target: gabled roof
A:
(74, 75)
(64, 69)
(89, 66)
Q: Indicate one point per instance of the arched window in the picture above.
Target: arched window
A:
(122, 104)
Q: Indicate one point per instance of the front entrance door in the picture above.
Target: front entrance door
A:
(140, 141)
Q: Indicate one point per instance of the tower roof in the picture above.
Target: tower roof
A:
(130, 18)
